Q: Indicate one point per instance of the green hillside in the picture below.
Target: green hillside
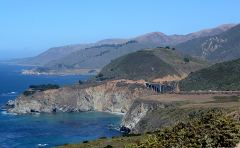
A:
(221, 76)
(150, 64)
(217, 48)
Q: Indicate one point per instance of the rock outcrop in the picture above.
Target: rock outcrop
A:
(137, 111)
(111, 96)
(141, 109)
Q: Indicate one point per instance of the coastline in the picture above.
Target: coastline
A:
(61, 73)
(68, 72)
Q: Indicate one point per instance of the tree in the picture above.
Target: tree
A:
(167, 47)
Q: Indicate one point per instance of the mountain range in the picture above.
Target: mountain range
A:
(97, 55)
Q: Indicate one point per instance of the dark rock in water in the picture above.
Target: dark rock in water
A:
(124, 129)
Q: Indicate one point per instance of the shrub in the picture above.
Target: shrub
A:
(108, 146)
(27, 92)
(35, 88)
(208, 129)
(43, 87)
(186, 60)
(167, 47)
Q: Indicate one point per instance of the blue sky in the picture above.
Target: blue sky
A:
(28, 27)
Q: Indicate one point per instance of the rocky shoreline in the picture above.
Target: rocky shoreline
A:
(109, 96)
(142, 110)
(61, 73)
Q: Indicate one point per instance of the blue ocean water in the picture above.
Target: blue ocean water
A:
(29, 131)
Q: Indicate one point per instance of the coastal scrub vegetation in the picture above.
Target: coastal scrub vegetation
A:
(221, 77)
(34, 88)
(213, 128)
(206, 128)
(186, 59)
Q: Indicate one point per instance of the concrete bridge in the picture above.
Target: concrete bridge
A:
(161, 88)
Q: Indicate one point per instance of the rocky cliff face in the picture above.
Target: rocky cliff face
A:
(114, 96)
(147, 115)
(137, 112)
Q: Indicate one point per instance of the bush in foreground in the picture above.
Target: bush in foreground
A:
(208, 129)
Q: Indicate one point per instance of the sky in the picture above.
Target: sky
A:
(29, 27)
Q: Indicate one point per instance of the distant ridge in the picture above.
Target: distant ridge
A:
(159, 37)
(217, 48)
(97, 55)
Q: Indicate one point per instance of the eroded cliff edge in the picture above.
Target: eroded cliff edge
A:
(111, 96)
(146, 115)
(145, 111)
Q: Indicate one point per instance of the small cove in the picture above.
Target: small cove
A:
(46, 130)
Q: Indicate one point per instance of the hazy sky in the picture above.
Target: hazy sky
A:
(28, 27)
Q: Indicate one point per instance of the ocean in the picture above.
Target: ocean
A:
(47, 130)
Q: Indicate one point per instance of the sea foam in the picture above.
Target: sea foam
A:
(4, 112)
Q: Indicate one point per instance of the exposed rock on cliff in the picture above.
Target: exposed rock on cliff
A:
(138, 111)
(112, 96)
(150, 113)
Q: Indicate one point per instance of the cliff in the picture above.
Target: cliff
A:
(137, 112)
(145, 112)
(111, 96)
(150, 113)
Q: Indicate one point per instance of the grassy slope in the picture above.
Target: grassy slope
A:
(221, 76)
(150, 64)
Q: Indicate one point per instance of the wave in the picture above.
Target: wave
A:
(118, 113)
(42, 145)
(9, 94)
(4, 112)
(13, 92)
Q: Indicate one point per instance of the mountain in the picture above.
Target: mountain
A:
(52, 54)
(163, 39)
(97, 55)
(150, 64)
(221, 76)
(217, 48)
